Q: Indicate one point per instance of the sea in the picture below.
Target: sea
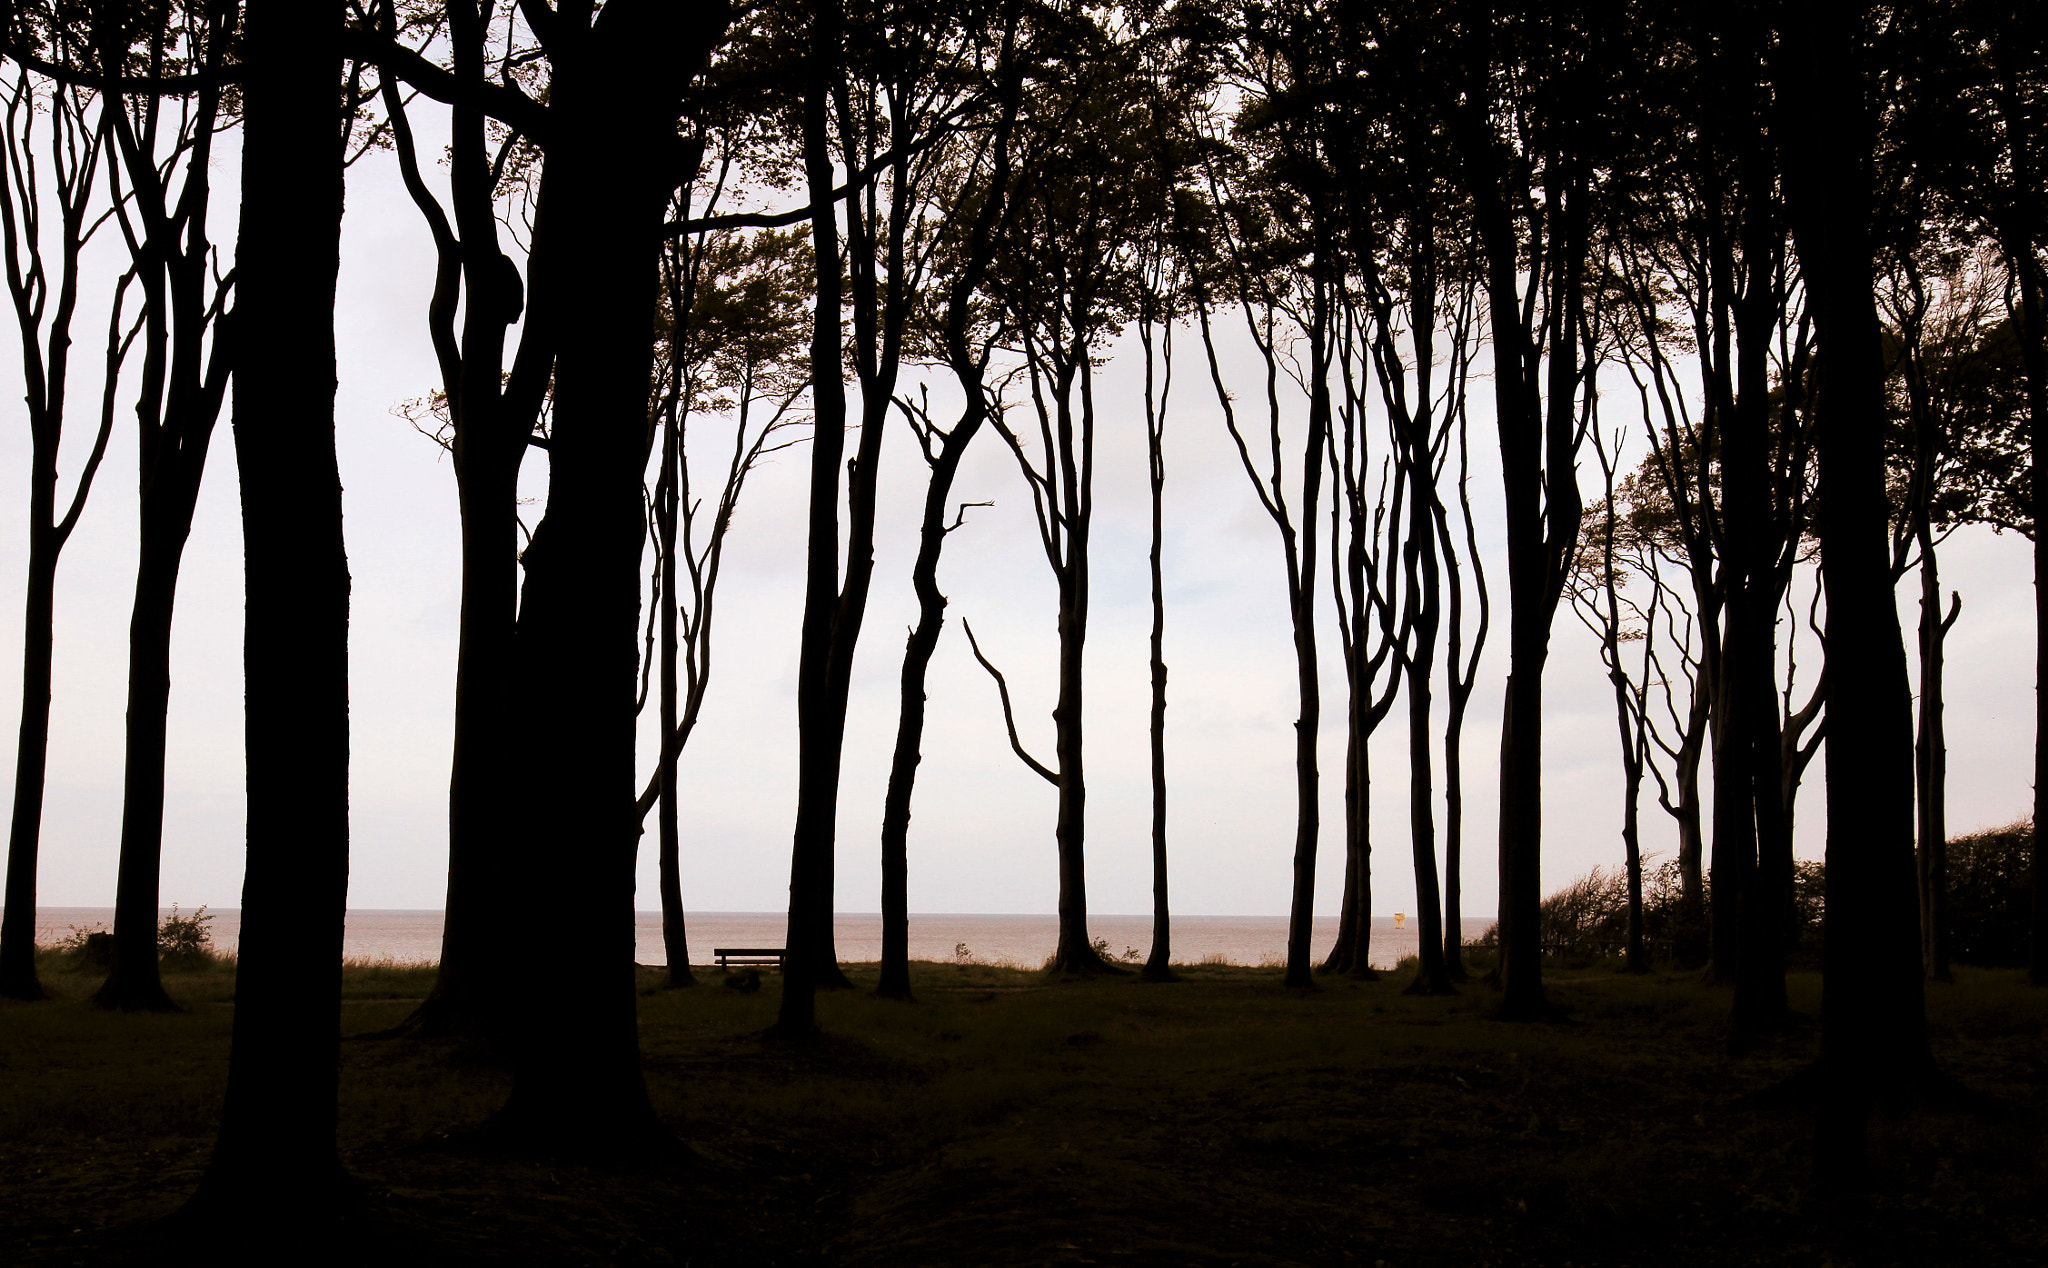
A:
(414, 937)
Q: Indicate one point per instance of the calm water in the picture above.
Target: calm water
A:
(1024, 941)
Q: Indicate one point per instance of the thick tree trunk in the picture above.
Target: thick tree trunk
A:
(18, 979)
(1873, 1020)
(275, 1172)
(577, 1079)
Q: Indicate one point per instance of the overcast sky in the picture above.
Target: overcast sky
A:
(982, 832)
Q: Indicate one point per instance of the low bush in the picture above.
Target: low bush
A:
(1990, 894)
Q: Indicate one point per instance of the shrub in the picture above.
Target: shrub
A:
(185, 941)
(1990, 888)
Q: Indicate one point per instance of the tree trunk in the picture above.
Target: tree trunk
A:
(2034, 360)
(807, 946)
(492, 416)
(577, 1079)
(1454, 841)
(18, 979)
(917, 659)
(135, 984)
(1159, 963)
(1873, 1020)
(1301, 586)
(1426, 584)
(275, 1171)
(1076, 951)
(1930, 771)
(674, 933)
(177, 409)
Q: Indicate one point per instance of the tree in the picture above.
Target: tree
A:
(1283, 273)
(1063, 284)
(887, 82)
(620, 80)
(731, 307)
(1873, 1021)
(275, 1171)
(1527, 135)
(1597, 584)
(185, 361)
(493, 415)
(964, 339)
(43, 278)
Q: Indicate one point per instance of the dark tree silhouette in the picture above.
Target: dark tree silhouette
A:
(1596, 594)
(732, 310)
(885, 81)
(1525, 132)
(1063, 281)
(42, 263)
(620, 81)
(185, 359)
(965, 350)
(492, 417)
(1873, 1025)
(275, 1171)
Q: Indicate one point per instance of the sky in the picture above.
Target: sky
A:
(982, 832)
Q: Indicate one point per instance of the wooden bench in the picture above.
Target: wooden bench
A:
(729, 956)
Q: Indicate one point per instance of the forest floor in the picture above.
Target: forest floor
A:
(1006, 1120)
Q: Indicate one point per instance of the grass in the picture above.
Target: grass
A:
(1000, 1120)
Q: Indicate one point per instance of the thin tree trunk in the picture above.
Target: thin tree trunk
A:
(674, 933)
(1931, 770)
(1431, 977)
(807, 946)
(1159, 963)
(1301, 579)
(275, 1170)
(2034, 361)
(917, 659)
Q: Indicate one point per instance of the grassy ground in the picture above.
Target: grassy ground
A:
(1001, 1120)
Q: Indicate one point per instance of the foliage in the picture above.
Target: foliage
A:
(185, 940)
(1587, 920)
(1990, 887)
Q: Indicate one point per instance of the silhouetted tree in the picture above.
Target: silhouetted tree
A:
(275, 1172)
(185, 360)
(1873, 1025)
(730, 344)
(1527, 131)
(963, 339)
(53, 158)
(1064, 282)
